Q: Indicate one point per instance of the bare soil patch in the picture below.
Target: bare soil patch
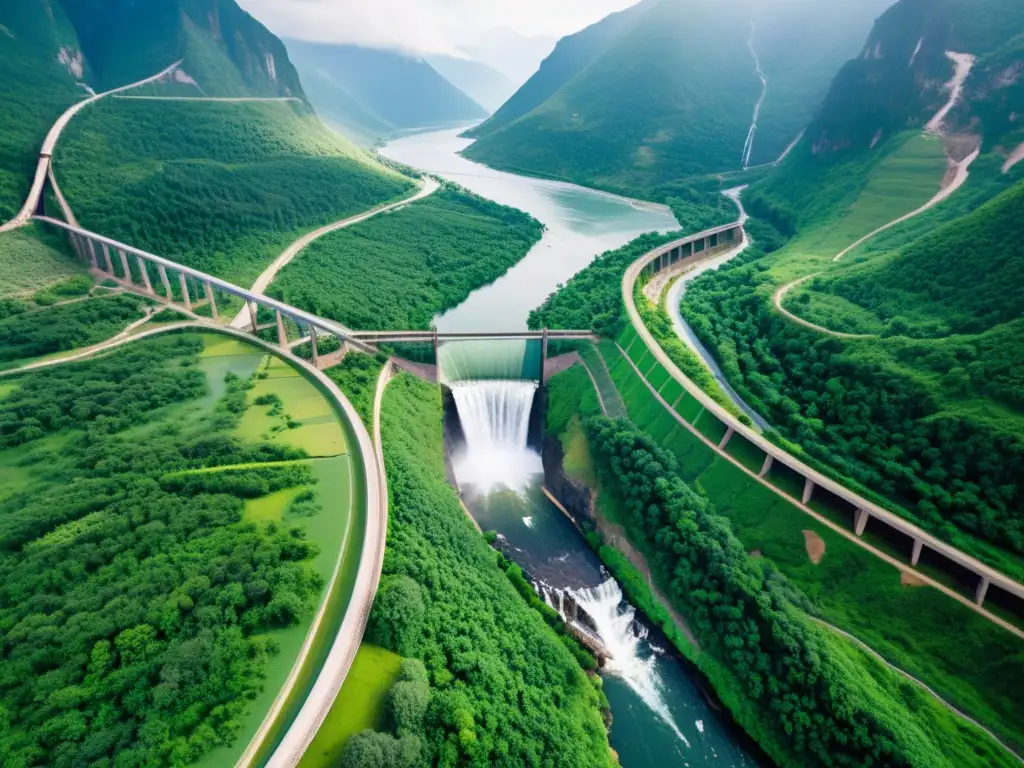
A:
(815, 546)
(908, 579)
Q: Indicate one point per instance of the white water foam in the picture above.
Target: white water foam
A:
(495, 417)
(528, 522)
(614, 625)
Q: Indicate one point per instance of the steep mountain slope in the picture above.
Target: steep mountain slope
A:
(571, 56)
(667, 90)
(380, 92)
(40, 63)
(226, 52)
(899, 80)
(485, 85)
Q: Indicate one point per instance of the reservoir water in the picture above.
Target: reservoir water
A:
(579, 225)
(661, 716)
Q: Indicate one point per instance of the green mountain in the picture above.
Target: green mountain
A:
(40, 63)
(226, 52)
(667, 90)
(485, 85)
(899, 80)
(371, 93)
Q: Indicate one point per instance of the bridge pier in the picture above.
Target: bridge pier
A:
(808, 490)
(860, 521)
(166, 283)
(125, 267)
(543, 356)
(253, 317)
(145, 275)
(282, 337)
(208, 290)
(184, 291)
(981, 591)
(915, 556)
(766, 467)
(106, 259)
(312, 346)
(726, 438)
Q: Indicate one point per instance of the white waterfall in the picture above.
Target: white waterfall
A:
(495, 417)
(613, 622)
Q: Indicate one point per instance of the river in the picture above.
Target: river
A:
(661, 718)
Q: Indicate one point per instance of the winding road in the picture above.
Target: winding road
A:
(748, 146)
(43, 168)
(242, 320)
(960, 172)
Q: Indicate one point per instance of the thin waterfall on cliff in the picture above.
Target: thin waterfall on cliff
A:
(612, 621)
(495, 418)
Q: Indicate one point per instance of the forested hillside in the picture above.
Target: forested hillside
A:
(371, 93)
(225, 51)
(399, 270)
(220, 187)
(667, 90)
(504, 688)
(36, 86)
(898, 81)
(124, 643)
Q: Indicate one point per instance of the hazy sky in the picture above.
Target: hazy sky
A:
(425, 26)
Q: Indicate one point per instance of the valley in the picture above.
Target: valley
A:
(659, 407)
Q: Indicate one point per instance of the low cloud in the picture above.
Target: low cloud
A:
(425, 26)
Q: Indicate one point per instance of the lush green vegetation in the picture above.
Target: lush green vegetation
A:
(362, 704)
(357, 376)
(31, 259)
(751, 618)
(918, 629)
(135, 606)
(593, 297)
(398, 270)
(503, 688)
(218, 186)
(225, 51)
(34, 333)
(35, 88)
(623, 106)
(921, 291)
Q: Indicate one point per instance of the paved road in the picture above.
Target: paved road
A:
(962, 170)
(963, 63)
(891, 519)
(241, 320)
(50, 144)
(349, 637)
(218, 99)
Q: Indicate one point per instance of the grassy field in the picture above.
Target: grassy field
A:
(360, 705)
(334, 528)
(31, 259)
(967, 659)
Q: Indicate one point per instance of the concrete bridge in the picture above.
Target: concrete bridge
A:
(160, 278)
(862, 512)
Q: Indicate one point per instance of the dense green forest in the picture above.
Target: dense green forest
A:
(224, 51)
(624, 106)
(134, 605)
(747, 615)
(921, 291)
(219, 186)
(35, 88)
(34, 333)
(504, 690)
(849, 406)
(399, 270)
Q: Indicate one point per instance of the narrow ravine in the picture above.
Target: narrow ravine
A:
(748, 147)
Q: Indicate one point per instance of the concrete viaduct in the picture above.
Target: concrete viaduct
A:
(694, 248)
